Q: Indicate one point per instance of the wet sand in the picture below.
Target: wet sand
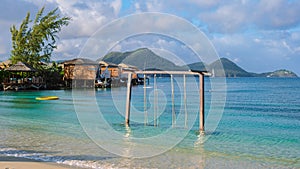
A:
(7, 162)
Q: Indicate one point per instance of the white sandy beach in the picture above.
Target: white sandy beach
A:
(7, 162)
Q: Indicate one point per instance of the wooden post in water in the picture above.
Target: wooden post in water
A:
(128, 99)
(155, 101)
(184, 101)
(201, 108)
(145, 102)
(173, 102)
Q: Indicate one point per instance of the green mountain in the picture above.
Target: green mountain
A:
(230, 69)
(142, 58)
(220, 68)
(115, 57)
(198, 66)
(145, 59)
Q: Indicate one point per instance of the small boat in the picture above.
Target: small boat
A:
(47, 98)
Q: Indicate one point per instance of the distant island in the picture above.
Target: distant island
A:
(145, 59)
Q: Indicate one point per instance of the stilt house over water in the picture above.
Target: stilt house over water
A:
(80, 72)
(112, 68)
(22, 76)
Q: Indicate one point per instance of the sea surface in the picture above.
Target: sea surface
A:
(250, 123)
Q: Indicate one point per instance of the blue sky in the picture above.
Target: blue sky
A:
(258, 35)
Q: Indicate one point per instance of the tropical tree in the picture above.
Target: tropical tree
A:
(35, 41)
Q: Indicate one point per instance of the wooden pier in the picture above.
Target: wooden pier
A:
(201, 75)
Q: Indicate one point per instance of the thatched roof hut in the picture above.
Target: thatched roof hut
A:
(20, 67)
(79, 61)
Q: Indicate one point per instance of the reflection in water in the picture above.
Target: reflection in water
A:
(128, 131)
(128, 144)
(200, 140)
(199, 146)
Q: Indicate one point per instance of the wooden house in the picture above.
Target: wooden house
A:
(80, 72)
(111, 67)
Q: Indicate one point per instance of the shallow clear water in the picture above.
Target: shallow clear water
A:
(260, 126)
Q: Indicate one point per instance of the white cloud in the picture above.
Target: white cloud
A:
(69, 44)
(87, 16)
(295, 36)
(230, 17)
(205, 4)
(259, 52)
(249, 31)
(116, 5)
(257, 40)
(236, 60)
(284, 43)
(277, 14)
(137, 7)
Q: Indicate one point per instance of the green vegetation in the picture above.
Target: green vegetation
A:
(279, 73)
(198, 66)
(35, 44)
(230, 69)
(115, 57)
(3, 74)
(34, 41)
(53, 75)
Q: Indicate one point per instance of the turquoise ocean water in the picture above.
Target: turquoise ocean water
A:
(259, 127)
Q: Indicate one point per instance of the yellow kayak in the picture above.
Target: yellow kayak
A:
(47, 98)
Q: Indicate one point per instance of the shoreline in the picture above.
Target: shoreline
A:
(11, 162)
